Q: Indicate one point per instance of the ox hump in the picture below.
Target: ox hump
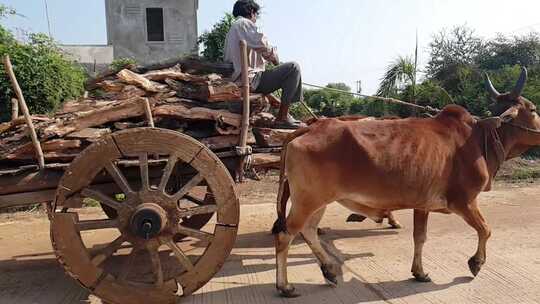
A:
(456, 114)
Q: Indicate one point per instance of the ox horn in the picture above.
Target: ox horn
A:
(518, 90)
(493, 93)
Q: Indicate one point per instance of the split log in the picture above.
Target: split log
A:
(6, 126)
(54, 146)
(130, 77)
(192, 65)
(129, 92)
(263, 120)
(176, 73)
(111, 86)
(182, 112)
(266, 160)
(112, 113)
(128, 125)
(224, 142)
(271, 137)
(211, 91)
(90, 134)
(83, 105)
(91, 84)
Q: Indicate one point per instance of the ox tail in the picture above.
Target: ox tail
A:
(284, 192)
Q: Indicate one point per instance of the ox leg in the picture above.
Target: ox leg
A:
(309, 233)
(420, 236)
(471, 214)
(395, 224)
(296, 220)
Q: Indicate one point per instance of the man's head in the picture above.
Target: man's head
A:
(246, 8)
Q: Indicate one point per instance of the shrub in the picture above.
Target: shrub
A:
(44, 73)
(122, 63)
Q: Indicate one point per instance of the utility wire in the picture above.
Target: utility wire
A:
(48, 19)
(383, 99)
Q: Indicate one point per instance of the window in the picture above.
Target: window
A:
(154, 24)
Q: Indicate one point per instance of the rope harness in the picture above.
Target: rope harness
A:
(426, 109)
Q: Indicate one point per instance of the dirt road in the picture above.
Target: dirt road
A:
(376, 261)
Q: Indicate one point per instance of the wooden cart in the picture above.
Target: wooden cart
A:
(159, 190)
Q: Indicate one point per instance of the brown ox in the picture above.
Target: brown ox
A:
(371, 167)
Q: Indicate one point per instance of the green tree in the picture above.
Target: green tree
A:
(453, 48)
(214, 41)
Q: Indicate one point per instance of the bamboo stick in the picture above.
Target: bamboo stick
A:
(26, 113)
(14, 108)
(245, 115)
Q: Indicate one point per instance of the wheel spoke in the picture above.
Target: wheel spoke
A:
(179, 254)
(195, 200)
(143, 163)
(108, 251)
(96, 225)
(118, 177)
(128, 264)
(183, 213)
(196, 180)
(153, 251)
(201, 235)
(102, 198)
(167, 172)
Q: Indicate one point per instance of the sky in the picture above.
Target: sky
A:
(334, 41)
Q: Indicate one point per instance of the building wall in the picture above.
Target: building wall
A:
(94, 58)
(126, 29)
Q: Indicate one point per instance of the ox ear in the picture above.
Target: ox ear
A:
(490, 123)
(509, 114)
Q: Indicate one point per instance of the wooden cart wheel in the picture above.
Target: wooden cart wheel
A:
(135, 257)
(194, 222)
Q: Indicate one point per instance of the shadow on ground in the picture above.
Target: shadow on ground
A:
(38, 278)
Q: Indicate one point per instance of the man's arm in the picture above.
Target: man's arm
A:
(258, 42)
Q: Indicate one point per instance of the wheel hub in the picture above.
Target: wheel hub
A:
(148, 221)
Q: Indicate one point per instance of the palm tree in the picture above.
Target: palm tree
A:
(401, 72)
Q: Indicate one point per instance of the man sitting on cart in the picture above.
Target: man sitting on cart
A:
(285, 76)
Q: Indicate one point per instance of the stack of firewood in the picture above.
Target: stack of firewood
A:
(204, 105)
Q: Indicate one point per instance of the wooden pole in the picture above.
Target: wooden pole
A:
(14, 108)
(26, 113)
(148, 111)
(246, 109)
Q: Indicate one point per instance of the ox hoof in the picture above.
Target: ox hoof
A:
(288, 292)
(356, 218)
(475, 266)
(329, 275)
(422, 278)
(395, 225)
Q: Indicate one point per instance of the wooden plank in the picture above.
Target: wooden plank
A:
(25, 199)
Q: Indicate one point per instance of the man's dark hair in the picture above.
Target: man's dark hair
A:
(246, 8)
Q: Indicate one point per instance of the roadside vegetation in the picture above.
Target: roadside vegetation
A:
(46, 76)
